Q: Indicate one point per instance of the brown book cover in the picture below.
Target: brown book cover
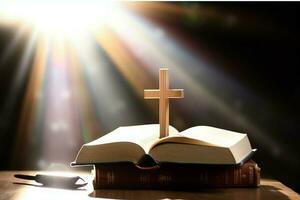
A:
(175, 176)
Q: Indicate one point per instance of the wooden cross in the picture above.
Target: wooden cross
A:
(163, 94)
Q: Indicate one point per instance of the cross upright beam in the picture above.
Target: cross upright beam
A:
(163, 94)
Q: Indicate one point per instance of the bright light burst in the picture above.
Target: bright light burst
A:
(56, 101)
(60, 18)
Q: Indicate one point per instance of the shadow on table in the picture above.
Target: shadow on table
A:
(262, 192)
(51, 186)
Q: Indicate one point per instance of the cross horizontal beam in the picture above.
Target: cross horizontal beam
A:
(171, 94)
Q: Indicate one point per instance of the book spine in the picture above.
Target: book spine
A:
(110, 177)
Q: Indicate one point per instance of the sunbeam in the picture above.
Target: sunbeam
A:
(28, 117)
(88, 64)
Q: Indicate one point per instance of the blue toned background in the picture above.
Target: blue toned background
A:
(70, 77)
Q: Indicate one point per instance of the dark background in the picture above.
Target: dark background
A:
(255, 43)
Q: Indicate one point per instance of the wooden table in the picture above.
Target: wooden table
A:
(11, 188)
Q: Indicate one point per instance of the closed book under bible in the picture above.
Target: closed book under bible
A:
(197, 145)
(175, 176)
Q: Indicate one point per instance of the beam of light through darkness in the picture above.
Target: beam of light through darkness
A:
(101, 82)
(91, 64)
(31, 102)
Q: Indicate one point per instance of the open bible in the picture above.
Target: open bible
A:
(197, 145)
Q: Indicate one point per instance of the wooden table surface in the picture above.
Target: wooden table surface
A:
(13, 188)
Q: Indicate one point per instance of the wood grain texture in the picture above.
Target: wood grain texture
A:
(164, 93)
(12, 189)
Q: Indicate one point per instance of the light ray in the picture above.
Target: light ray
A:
(90, 127)
(19, 77)
(128, 66)
(31, 101)
(13, 44)
(61, 124)
(102, 80)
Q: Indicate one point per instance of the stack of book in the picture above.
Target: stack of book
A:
(200, 157)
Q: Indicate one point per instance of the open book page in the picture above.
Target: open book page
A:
(180, 139)
(142, 135)
(154, 129)
(213, 136)
(204, 136)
